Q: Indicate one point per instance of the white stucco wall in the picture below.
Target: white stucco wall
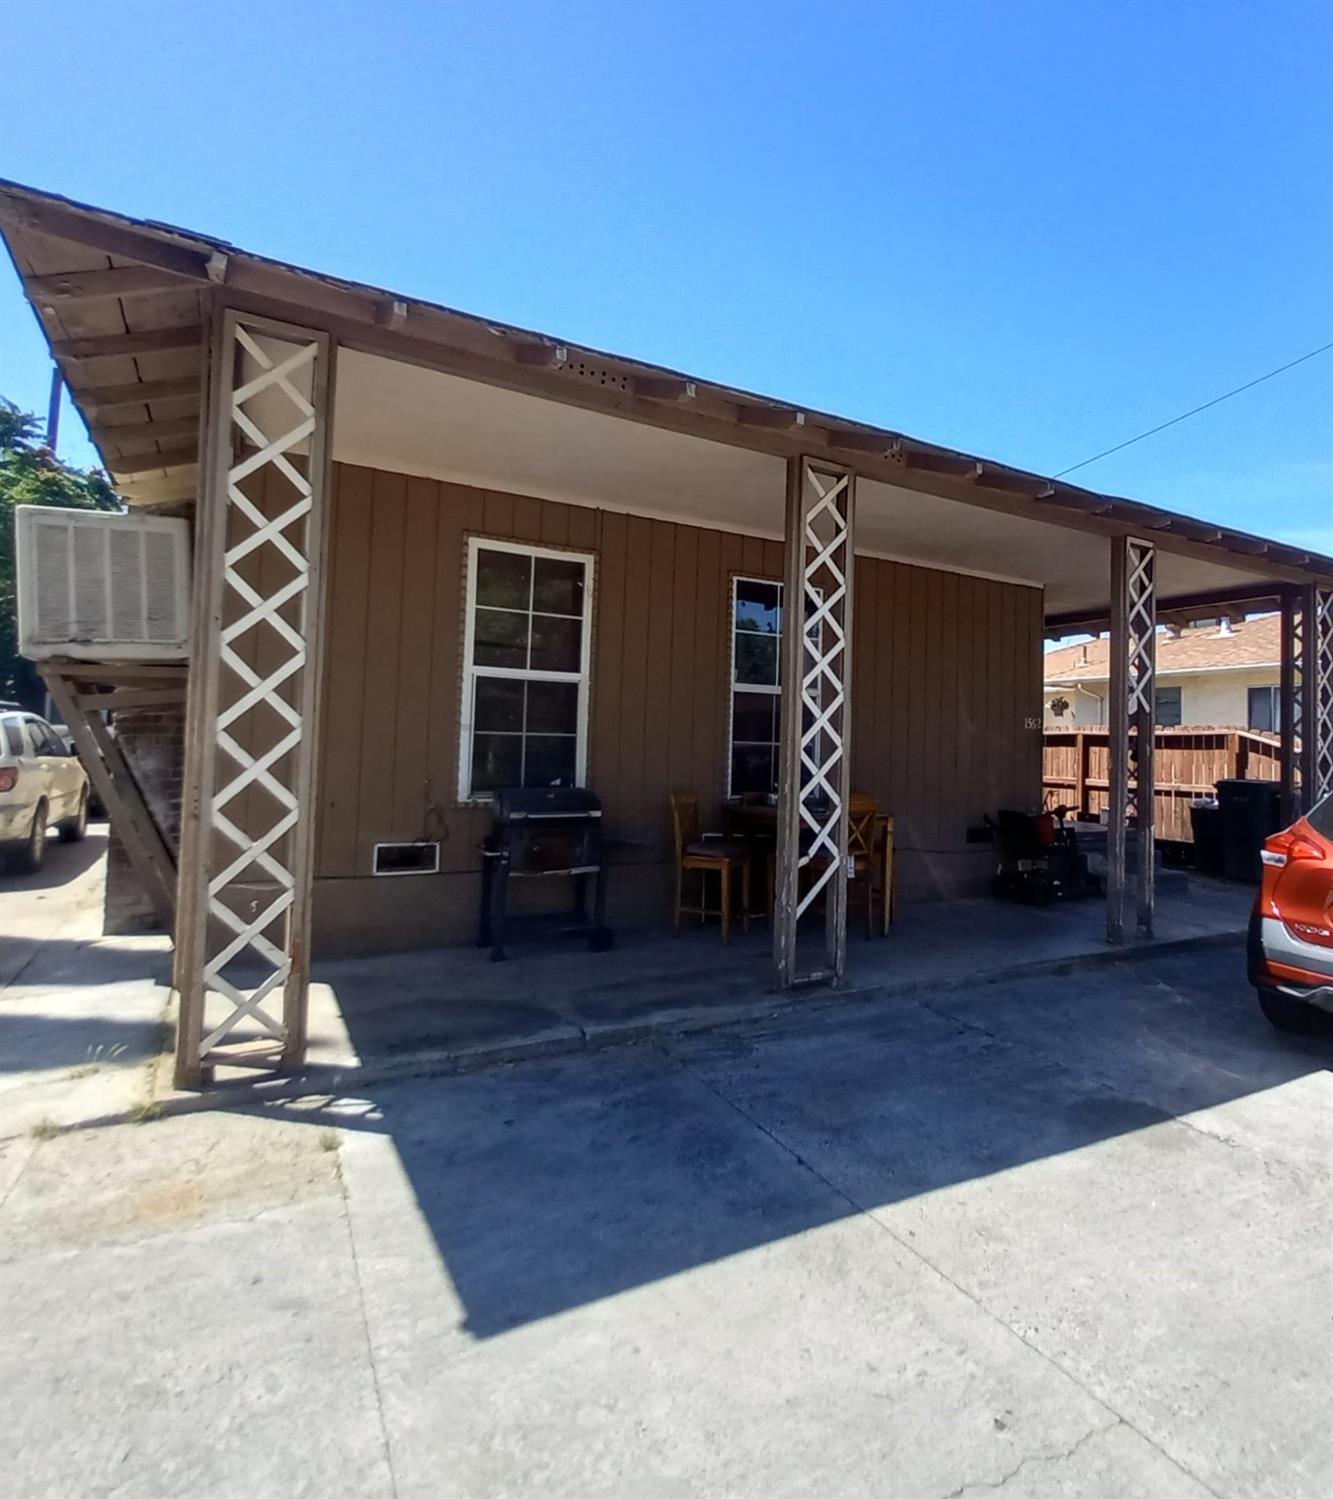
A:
(1218, 698)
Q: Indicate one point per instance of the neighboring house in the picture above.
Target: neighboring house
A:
(1214, 672)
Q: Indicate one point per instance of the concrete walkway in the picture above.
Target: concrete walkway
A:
(455, 1007)
(1066, 1235)
(81, 1016)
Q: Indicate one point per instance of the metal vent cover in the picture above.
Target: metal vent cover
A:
(92, 584)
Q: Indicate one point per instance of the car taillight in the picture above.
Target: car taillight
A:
(9, 777)
(1287, 848)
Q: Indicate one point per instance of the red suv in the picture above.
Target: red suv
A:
(1291, 928)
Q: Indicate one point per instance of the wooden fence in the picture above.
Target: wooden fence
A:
(1076, 766)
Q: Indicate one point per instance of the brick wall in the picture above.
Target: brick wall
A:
(152, 741)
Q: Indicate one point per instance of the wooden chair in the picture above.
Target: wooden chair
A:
(706, 854)
(862, 836)
(870, 850)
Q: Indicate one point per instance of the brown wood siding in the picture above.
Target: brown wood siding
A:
(946, 669)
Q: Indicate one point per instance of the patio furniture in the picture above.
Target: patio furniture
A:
(543, 833)
(870, 843)
(705, 854)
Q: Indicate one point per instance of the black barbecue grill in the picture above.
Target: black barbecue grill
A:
(544, 832)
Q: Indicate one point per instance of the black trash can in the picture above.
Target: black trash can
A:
(1206, 826)
(1251, 811)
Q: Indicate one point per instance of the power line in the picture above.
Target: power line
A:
(1217, 400)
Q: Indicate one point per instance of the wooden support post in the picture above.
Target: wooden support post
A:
(1291, 697)
(247, 860)
(1133, 683)
(1318, 716)
(814, 788)
(1080, 772)
(106, 766)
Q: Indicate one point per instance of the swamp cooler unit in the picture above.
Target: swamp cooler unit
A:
(97, 586)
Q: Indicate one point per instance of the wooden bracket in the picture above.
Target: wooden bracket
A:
(105, 763)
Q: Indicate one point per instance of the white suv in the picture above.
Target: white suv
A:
(42, 785)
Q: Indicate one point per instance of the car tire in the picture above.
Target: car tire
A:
(1289, 1014)
(32, 855)
(75, 828)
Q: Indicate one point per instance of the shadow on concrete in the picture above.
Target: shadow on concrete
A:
(64, 862)
(572, 1179)
(43, 1042)
(90, 962)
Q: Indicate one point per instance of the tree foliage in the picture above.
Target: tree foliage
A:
(30, 474)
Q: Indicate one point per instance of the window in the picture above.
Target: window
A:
(756, 674)
(1166, 707)
(13, 736)
(42, 740)
(1264, 712)
(525, 673)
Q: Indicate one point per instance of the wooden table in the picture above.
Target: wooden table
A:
(759, 820)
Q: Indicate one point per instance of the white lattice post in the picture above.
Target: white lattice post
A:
(1318, 720)
(1292, 680)
(1133, 687)
(816, 715)
(247, 837)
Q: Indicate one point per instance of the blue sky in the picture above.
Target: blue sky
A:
(1030, 229)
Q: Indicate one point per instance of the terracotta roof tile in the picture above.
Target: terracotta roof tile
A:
(1252, 642)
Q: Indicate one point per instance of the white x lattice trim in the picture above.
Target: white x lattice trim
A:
(285, 535)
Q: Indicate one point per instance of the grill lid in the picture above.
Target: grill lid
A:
(519, 803)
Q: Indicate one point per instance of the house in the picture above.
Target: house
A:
(434, 554)
(1214, 672)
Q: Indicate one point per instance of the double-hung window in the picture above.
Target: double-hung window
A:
(1264, 709)
(756, 676)
(526, 652)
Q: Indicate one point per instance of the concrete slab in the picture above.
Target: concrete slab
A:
(455, 1003)
(81, 1016)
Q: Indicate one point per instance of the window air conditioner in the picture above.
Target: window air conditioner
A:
(92, 585)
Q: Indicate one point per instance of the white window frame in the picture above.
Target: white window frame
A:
(733, 686)
(522, 674)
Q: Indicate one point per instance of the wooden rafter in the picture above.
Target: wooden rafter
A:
(107, 345)
(116, 281)
(109, 397)
(147, 463)
(164, 431)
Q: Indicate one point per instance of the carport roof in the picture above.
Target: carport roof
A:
(124, 302)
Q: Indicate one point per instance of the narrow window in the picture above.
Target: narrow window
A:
(756, 675)
(525, 679)
(1264, 713)
(1166, 707)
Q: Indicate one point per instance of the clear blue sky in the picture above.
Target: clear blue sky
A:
(1029, 229)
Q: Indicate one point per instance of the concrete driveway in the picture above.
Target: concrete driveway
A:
(1069, 1236)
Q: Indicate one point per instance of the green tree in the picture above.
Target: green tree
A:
(30, 474)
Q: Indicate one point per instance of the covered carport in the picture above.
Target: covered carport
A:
(229, 386)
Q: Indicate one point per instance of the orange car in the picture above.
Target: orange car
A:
(1291, 929)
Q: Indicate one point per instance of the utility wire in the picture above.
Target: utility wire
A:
(1217, 400)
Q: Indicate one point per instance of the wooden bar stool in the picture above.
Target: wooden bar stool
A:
(704, 854)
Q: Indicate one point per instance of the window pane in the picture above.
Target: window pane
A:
(550, 760)
(752, 770)
(499, 705)
(557, 586)
(754, 718)
(500, 639)
(1261, 713)
(553, 707)
(504, 579)
(496, 761)
(758, 606)
(1166, 707)
(757, 659)
(556, 643)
